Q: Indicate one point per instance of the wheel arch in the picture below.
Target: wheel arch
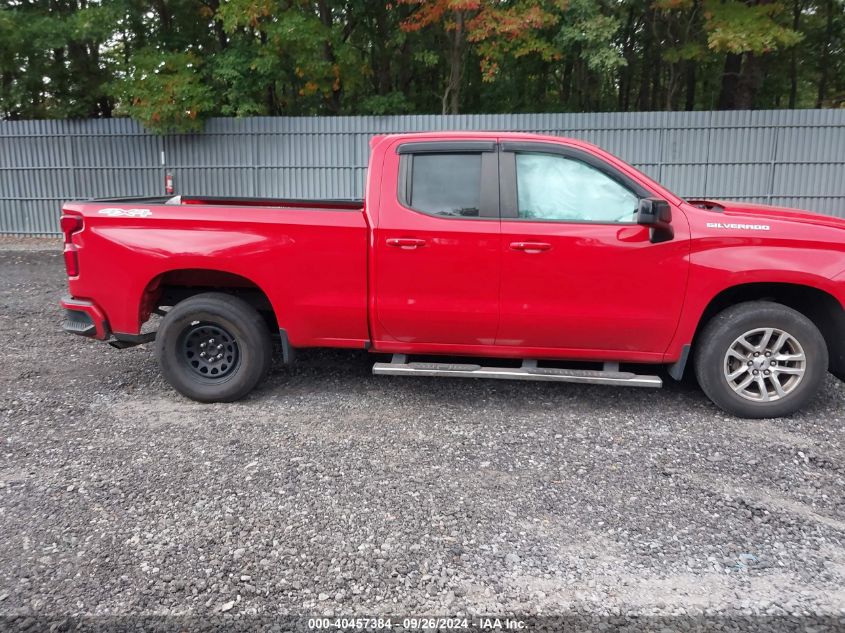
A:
(173, 286)
(821, 307)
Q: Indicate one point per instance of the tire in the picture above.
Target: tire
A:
(722, 372)
(241, 344)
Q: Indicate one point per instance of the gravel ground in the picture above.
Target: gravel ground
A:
(333, 492)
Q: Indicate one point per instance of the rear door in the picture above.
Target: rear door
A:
(579, 275)
(436, 246)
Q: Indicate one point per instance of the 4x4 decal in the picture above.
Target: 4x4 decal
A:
(114, 212)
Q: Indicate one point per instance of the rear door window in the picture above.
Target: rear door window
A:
(445, 184)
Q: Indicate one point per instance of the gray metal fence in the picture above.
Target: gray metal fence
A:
(785, 157)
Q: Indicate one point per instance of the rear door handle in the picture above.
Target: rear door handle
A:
(531, 247)
(407, 243)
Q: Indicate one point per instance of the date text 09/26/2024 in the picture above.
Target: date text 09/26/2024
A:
(417, 624)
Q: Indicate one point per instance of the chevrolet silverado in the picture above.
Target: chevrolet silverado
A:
(547, 257)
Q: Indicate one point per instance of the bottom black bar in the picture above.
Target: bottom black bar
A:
(233, 621)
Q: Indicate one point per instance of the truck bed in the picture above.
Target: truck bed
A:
(334, 204)
(307, 257)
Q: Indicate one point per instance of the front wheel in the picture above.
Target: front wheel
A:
(214, 347)
(760, 360)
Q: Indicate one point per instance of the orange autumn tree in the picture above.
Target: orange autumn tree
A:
(495, 29)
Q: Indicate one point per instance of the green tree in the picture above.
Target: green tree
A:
(173, 63)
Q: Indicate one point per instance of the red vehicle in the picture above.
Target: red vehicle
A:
(549, 255)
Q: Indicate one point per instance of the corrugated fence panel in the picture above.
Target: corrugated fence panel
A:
(214, 181)
(785, 157)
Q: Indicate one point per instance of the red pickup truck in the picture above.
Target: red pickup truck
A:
(547, 256)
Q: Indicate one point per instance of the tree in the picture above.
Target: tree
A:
(173, 63)
(452, 17)
(168, 92)
(746, 32)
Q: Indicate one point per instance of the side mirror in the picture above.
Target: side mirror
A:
(656, 214)
(654, 211)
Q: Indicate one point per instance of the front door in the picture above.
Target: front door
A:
(437, 249)
(578, 274)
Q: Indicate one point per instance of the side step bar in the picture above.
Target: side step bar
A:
(610, 375)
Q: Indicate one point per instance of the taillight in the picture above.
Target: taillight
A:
(71, 260)
(71, 224)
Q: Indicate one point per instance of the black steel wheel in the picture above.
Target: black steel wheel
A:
(214, 347)
(210, 350)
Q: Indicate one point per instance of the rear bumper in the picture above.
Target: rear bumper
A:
(85, 319)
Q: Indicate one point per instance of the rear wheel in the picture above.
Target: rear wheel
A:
(214, 347)
(760, 360)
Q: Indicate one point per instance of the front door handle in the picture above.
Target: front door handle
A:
(531, 247)
(406, 243)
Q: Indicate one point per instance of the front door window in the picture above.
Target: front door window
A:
(559, 188)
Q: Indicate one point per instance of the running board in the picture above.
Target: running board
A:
(529, 371)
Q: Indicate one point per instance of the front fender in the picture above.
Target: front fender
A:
(718, 271)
